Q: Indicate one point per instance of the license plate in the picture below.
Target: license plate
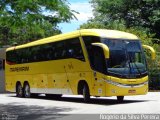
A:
(131, 91)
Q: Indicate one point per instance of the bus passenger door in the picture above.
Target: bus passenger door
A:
(97, 61)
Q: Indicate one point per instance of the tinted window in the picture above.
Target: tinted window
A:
(96, 54)
(74, 49)
(70, 48)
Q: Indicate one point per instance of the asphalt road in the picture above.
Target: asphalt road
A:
(46, 108)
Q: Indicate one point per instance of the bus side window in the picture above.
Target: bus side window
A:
(12, 56)
(46, 52)
(59, 52)
(74, 49)
(23, 54)
(33, 57)
(95, 54)
(71, 53)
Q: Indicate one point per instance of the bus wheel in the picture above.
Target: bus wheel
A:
(120, 98)
(26, 91)
(86, 94)
(19, 90)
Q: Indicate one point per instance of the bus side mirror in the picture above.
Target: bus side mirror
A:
(104, 47)
(153, 53)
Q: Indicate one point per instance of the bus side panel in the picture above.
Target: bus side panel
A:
(39, 82)
(76, 77)
(10, 83)
(78, 70)
(53, 81)
(57, 84)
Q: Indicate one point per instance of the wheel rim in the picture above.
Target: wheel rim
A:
(27, 91)
(19, 91)
(86, 95)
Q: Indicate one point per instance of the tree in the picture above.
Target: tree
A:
(23, 21)
(132, 13)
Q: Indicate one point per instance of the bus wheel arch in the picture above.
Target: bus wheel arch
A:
(83, 89)
(19, 89)
(26, 89)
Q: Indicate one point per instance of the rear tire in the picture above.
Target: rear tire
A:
(19, 90)
(26, 91)
(120, 98)
(86, 94)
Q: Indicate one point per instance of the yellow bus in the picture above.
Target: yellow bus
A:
(88, 62)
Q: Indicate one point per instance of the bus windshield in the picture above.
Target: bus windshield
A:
(126, 58)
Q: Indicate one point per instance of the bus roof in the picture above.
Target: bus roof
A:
(114, 34)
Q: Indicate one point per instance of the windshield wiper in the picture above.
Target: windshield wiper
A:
(130, 61)
(135, 65)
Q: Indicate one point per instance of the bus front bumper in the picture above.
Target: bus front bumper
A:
(119, 89)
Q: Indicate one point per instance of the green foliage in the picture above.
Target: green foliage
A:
(23, 21)
(144, 13)
(92, 25)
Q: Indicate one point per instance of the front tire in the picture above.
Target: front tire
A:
(19, 90)
(86, 94)
(26, 91)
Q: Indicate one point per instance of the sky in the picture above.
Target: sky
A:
(85, 12)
